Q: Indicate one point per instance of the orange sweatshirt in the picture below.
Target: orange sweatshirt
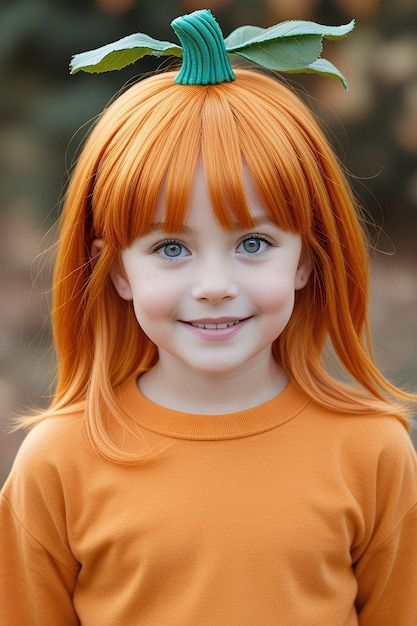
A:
(285, 514)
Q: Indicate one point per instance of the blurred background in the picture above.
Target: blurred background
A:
(44, 114)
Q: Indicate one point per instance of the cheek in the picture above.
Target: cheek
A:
(274, 293)
(154, 300)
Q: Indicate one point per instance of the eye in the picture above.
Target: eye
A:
(171, 249)
(254, 245)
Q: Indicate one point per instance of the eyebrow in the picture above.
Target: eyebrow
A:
(263, 219)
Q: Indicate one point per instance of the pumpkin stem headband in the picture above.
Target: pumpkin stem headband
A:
(292, 46)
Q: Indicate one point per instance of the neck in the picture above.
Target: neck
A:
(177, 387)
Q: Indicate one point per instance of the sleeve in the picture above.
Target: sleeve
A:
(35, 588)
(38, 571)
(387, 580)
(387, 569)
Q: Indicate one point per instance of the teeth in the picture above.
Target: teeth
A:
(216, 326)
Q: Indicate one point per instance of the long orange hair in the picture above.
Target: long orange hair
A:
(153, 136)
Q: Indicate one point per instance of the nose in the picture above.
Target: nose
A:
(214, 280)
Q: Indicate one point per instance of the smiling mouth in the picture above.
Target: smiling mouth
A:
(215, 326)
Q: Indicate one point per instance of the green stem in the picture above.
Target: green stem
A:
(205, 59)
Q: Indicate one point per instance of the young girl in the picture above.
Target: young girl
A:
(198, 464)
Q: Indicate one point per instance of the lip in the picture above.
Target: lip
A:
(234, 325)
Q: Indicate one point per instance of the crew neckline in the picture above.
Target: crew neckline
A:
(245, 423)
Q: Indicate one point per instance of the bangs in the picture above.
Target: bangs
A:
(165, 130)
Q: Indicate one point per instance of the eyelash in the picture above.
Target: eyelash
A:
(261, 238)
(162, 244)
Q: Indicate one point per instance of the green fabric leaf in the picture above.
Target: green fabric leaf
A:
(285, 55)
(252, 35)
(241, 35)
(117, 55)
(324, 67)
(293, 46)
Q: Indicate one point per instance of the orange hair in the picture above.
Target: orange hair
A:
(153, 136)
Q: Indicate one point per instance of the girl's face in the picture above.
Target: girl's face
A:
(213, 300)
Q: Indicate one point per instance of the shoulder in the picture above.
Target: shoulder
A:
(375, 447)
(48, 470)
(386, 435)
(379, 432)
(44, 479)
(385, 450)
(49, 449)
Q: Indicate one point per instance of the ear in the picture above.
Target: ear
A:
(304, 270)
(117, 274)
(96, 248)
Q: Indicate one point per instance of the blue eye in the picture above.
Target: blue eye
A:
(253, 245)
(170, 249)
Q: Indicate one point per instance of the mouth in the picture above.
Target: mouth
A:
(216, 329)
(214, 326)
(216, 323)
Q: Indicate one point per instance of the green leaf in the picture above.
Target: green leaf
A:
(324, 67)
(117, 55)
(291, 46)
(252, 35)
(285, 55)
(240, 35)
